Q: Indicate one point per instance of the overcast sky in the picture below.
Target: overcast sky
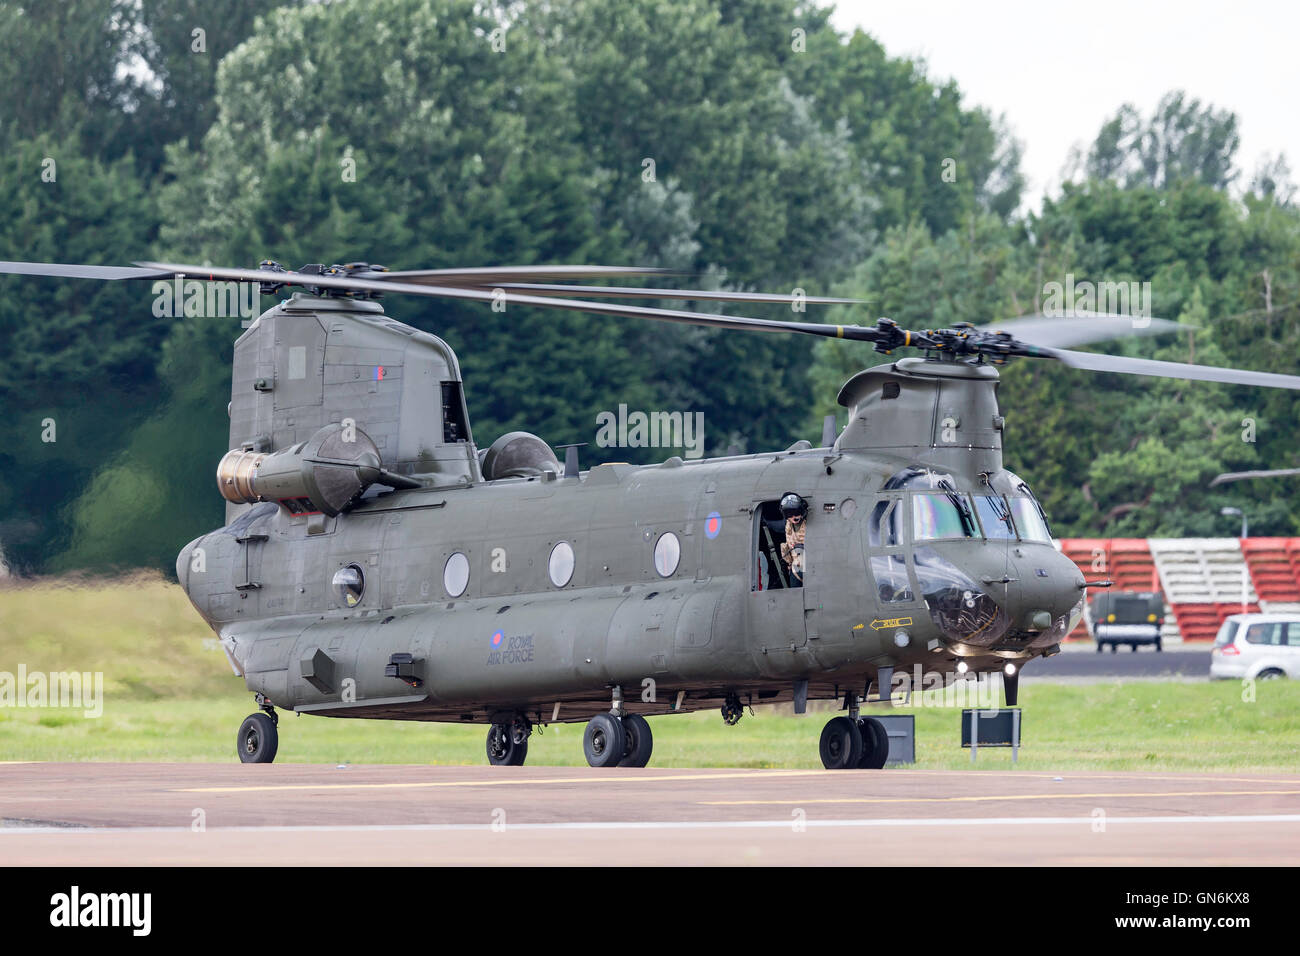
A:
(1058, 70)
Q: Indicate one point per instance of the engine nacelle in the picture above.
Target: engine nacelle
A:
(323, 474)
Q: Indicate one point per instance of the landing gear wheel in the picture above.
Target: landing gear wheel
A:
(841, 744)
(604, 742)
(1160, 645)
(505, 747)
(1100, 645)
(258, 739)
(1114, 648)
(875, 743)
(636, 730)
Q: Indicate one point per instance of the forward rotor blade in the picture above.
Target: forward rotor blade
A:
(496, 275)
(77, 271)
(487, 295)
(1198, 373)
(1243, 475)
(1080, 328)
(693, 295)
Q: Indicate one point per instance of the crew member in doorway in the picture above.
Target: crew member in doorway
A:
(795, 511)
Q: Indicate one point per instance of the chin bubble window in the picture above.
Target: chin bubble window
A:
(349, 585)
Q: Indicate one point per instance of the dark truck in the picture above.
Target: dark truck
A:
(1127, 617)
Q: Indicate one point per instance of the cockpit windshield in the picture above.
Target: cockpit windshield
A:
(995, 516)
(1029, 519)
(942, 516)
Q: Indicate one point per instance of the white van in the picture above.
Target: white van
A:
(1260, 646)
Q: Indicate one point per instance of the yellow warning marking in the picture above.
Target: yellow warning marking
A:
(421, 784)
(1012, 796)
(878, 624)
(1067, 775)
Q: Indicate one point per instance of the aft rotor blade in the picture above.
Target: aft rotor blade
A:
(1080, 328)
(78, 271)
(487, 295)
(1198, 373)
(496, 275)
(1243, 475)
(693, 295)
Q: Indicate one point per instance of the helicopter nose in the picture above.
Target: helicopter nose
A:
(1030, 600)
(1048, 601)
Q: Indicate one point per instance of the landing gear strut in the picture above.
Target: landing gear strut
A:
(258, 738)
(732, 710)
(507, 744)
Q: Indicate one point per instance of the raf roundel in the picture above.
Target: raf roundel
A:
(712, 525)
(498, 636)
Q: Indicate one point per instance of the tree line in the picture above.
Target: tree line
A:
(748, 145)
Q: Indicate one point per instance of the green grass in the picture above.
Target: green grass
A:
(169, 695)
(1153, 726)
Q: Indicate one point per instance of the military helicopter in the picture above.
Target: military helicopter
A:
(376, 563)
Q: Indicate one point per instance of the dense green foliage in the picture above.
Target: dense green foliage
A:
(743, 142)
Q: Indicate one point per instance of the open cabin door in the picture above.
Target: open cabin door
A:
(776, 596)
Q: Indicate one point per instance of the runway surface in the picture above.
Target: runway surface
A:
(232, 814)
(1144, 664)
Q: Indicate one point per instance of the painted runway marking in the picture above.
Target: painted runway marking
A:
(1002, 796)
(507, 782)
(676, 825)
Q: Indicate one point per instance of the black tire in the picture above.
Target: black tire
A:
(603, 742)
(258, 739)
(841, 744)
(1134, 648)
(1100, 645)
(639, 741)
(1114, 648)
(875, 744)
(502, 750)
(1271, 673)
(1160, 645)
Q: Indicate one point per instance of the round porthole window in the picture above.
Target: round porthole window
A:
(668, 552)
(455, 575)
(349, 585)
(561, 564)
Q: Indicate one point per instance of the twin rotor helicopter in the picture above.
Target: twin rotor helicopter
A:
(376, 563)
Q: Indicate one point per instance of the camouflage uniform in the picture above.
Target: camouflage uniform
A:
(792, 548)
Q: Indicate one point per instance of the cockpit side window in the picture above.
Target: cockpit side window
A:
(885, 529)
